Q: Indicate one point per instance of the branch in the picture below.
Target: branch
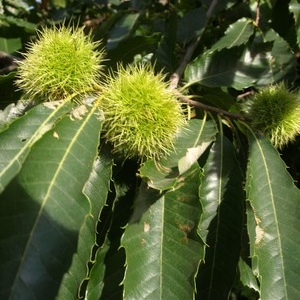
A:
(212, 109)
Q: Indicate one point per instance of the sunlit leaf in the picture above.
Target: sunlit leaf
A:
(191, 143)
(162, 247)
(16, 141)
(266, 60)
(237, 34)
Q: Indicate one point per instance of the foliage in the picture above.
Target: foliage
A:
(217, 218)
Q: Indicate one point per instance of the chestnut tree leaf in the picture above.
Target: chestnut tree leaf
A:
(237, 34)
(294, 7)
(190, 144)
(220, 226)
(42, 220)
(16, 141)
(274, 212)
(96, 190)
(266, 60)
(161, 244)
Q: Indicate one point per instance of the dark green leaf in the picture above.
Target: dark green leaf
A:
(41, 221)
(282, 61)
(162, 248)
(189, 146)
(165, 55)
(275, 235)
(216, 69)
(122, 29)
(30, 27)
(283, 23)
(108, 268)
(191, 25)
(222, 197)
(128, 49)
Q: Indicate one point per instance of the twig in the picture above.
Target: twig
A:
(212, 109)
(257, 18)
(246, 94)
(175, 77)
(212, 8)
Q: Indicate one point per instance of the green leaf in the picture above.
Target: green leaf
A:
(215, 7)
(122, 29)
(129, 49)
(7, 77)
(11, 112)
(30, 27)
(60, 3)
(216, 69)
(18, 6)
(284, 23)
(10, 45)
(161, 245)
(42, 220)
(95, 284)
(165, 50)
(266, 60)
(191, 25)
(282, 61)
(191, 142)
(96, 190)
(294, 7)
(16, 141)
(222, 197)
(108, 268)
(274, 230)
(246, 275)
(237, 34)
